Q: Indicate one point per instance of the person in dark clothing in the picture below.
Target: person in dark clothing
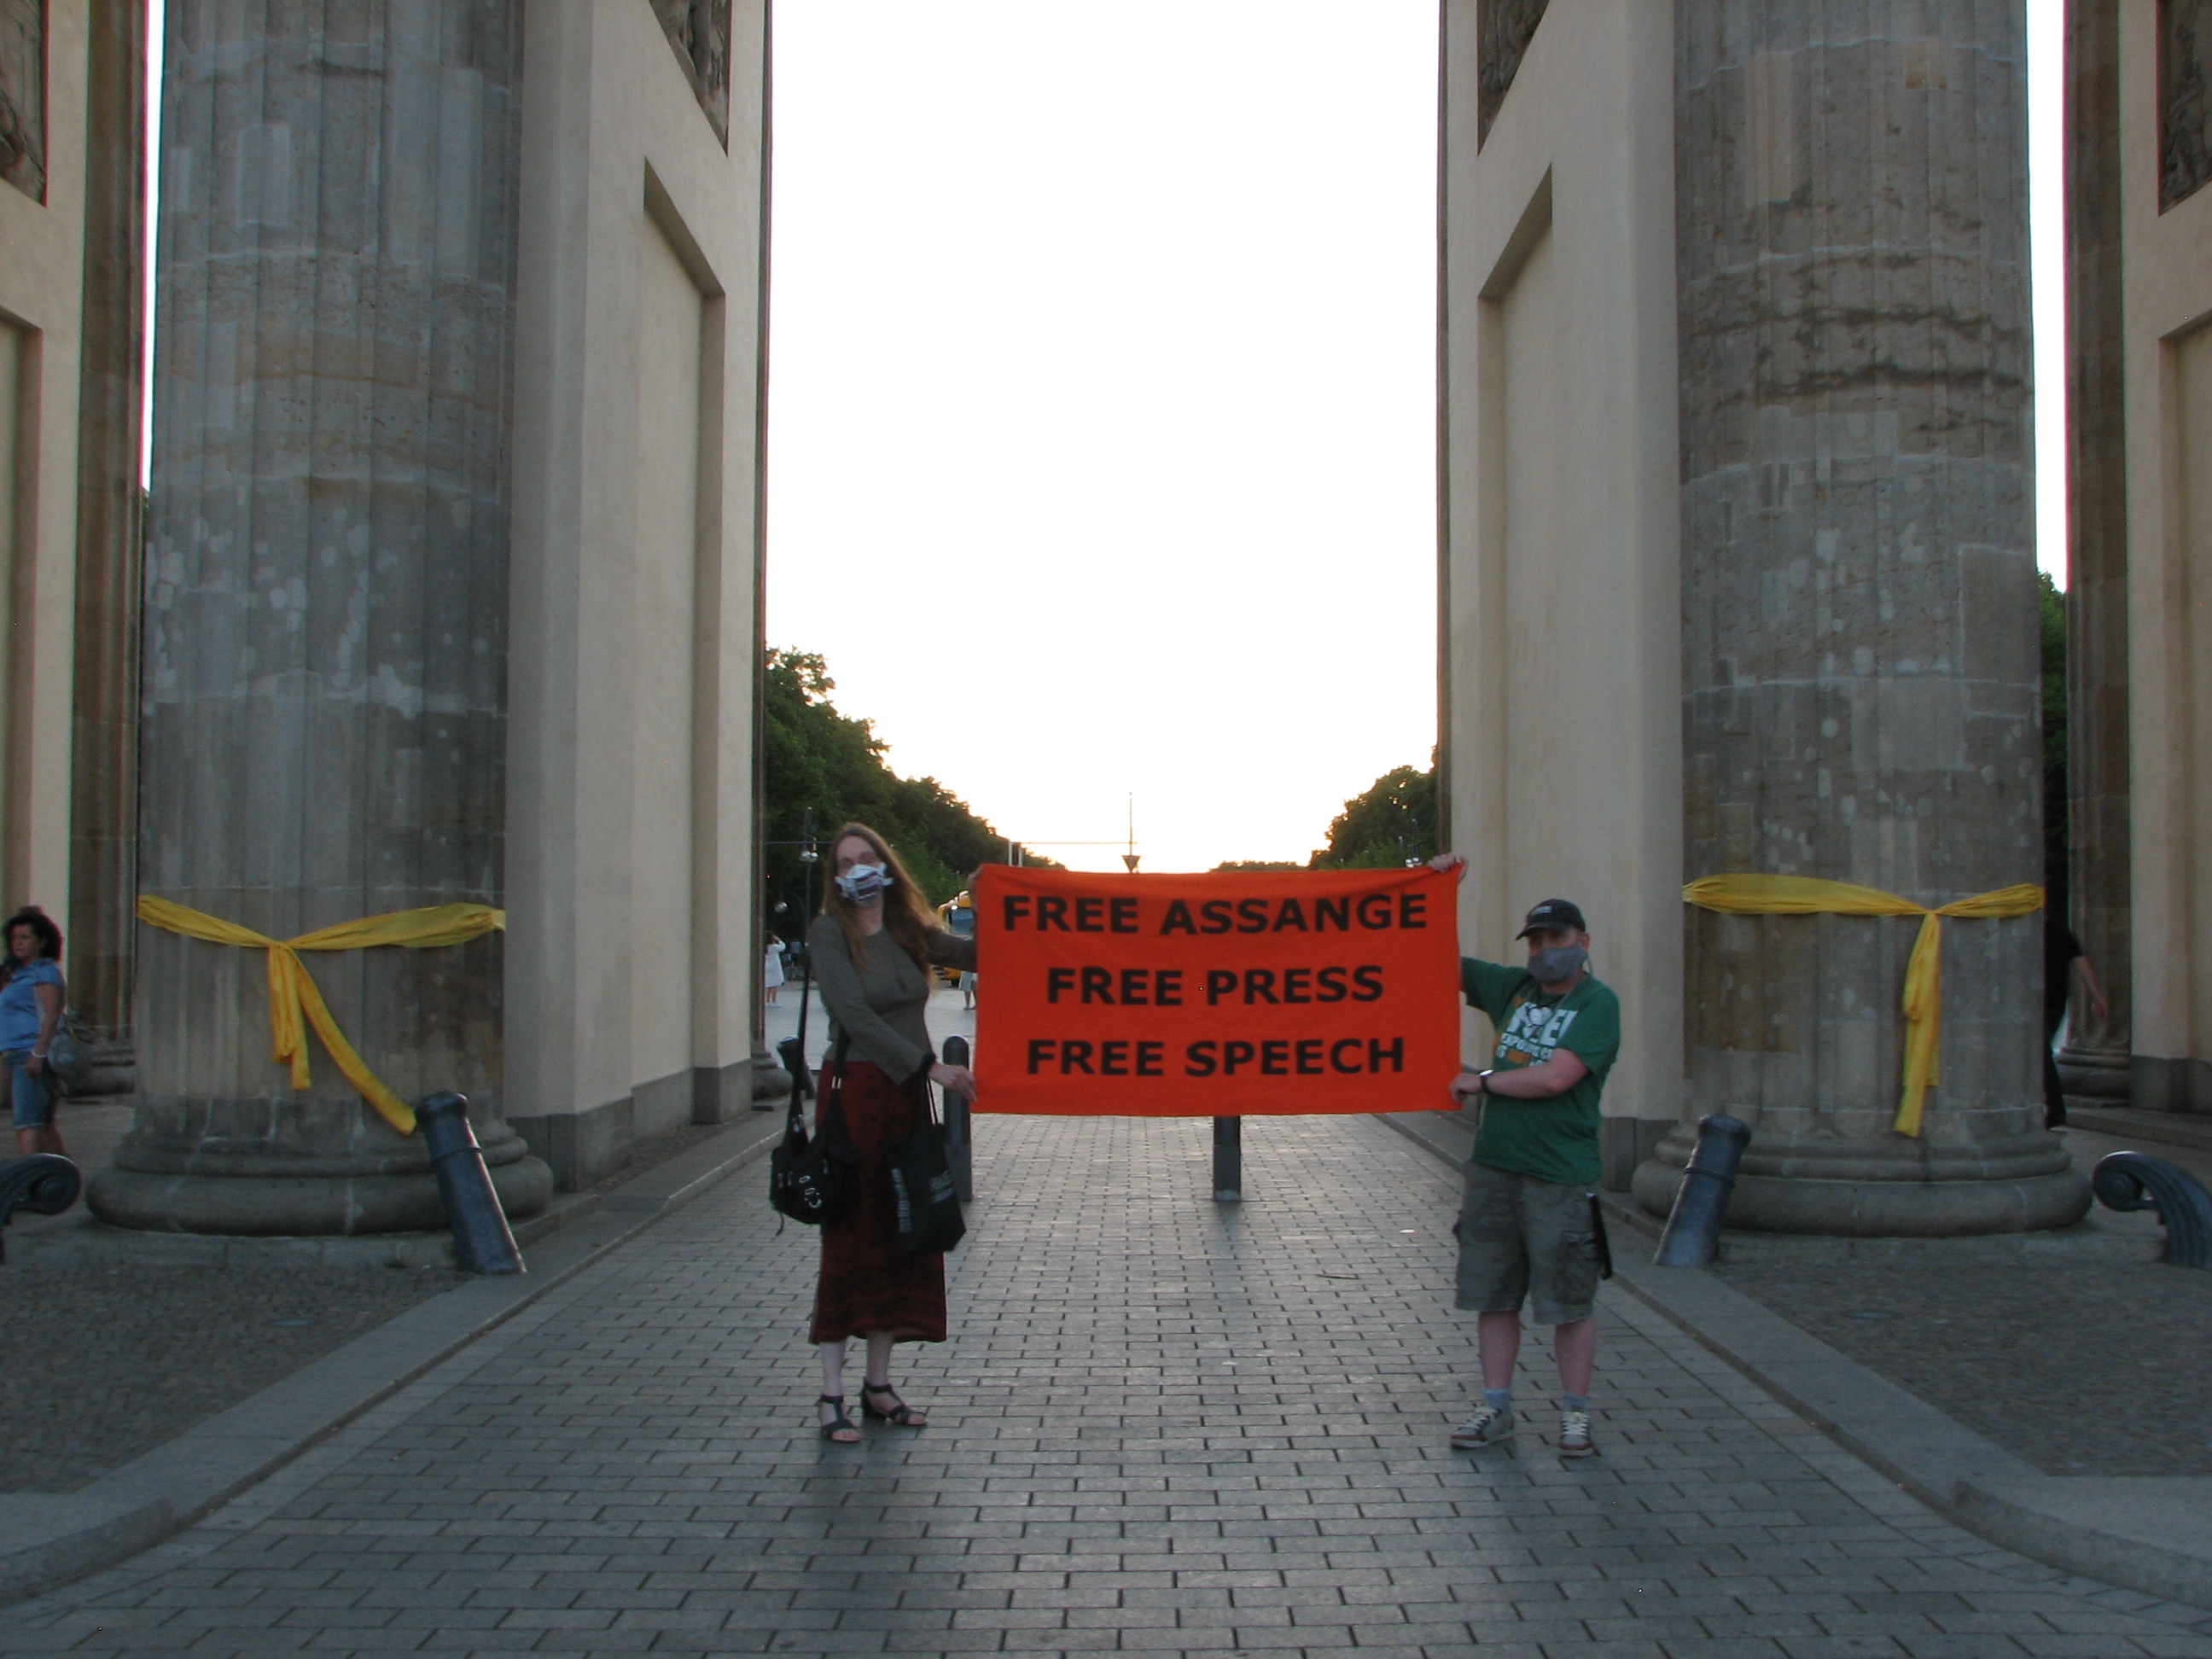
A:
(872, 950)
(2061, 952)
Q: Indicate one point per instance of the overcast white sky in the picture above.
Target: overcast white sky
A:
(1101, 434)
(1101, 455)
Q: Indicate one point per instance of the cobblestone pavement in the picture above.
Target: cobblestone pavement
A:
(98, 1364)
(1162, 1426)
(2082, 1369)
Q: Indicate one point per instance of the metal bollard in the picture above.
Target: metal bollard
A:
(1229, 1160)
(2129, 1181)
(1692, 1238)
(45, 1183)
(483, 1242)
(959, 1150)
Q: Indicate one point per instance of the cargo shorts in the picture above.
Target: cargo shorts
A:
(1525, 1239)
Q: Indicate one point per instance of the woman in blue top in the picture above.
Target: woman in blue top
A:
(31, 997)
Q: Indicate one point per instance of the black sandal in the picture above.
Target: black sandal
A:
(840, 1424)
(900, 1413)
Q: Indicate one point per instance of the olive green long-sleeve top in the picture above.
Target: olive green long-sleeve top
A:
(877, 1001)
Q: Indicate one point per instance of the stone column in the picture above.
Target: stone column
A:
(1860, 667)
(111, 529)
(323, 703)
(2094, 1061)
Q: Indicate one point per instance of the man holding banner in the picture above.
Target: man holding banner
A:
(1528, 1227)
(1255, 993)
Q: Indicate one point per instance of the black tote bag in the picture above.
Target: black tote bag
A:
(922, 1186)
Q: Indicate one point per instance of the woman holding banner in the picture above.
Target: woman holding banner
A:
(872, 949)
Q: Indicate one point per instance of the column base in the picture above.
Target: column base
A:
(770, 1081)
(1895, 1188)
(292, 1168)
(2101, 1074)
(114, 1072)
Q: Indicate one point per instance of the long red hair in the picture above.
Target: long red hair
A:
(907, 918)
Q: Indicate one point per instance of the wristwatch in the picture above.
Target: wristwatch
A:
(1484, 1076)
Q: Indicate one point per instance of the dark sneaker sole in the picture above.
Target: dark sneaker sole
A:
(1459, 1444)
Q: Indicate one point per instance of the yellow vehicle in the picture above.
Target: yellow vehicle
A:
(956, 916)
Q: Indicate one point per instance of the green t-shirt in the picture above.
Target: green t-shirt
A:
(1555, 1139)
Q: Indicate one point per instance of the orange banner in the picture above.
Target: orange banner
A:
(1231, 995)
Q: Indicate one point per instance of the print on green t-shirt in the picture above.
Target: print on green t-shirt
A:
(1554, 1140)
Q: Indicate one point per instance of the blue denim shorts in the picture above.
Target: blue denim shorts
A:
(32, 1098)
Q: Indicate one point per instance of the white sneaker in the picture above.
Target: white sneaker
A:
(1485, 1428)
(1575, 1435)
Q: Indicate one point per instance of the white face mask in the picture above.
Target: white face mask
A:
(865, 881)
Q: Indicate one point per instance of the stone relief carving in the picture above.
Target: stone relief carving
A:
(23, 96)
(700, 32)
(1503, 30)
(2184, 107)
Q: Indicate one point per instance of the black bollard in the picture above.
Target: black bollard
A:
(45, 1183)
(1229, 1160)
(1692, 1238)
(2129, 1181)
(959, 1150)
(482, 1243)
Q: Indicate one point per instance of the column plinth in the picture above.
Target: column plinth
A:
(324, 697)
(1860, 650)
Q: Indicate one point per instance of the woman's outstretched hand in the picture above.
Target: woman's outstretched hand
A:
(1444, 861)
(954, 1080)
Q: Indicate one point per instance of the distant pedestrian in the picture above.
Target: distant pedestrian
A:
(960, 922)
(32, 996)
(870, 952)
(1528, 1227)
(2063, 957)
(772, 971)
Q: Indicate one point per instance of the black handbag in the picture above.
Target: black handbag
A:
(815, 1180)
(927, 1198)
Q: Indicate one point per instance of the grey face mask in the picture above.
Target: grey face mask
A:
(864, 882)
(1557, 961)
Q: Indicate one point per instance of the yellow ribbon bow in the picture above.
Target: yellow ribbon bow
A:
(1799, 896)
(294, 1003)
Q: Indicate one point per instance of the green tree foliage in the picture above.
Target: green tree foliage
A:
(2053, 607)
(814, 756)
(1256, 864)
(1394, 823)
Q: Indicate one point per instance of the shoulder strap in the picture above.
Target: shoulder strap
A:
(794, 1118)
(833, 1098)
(926, 1092)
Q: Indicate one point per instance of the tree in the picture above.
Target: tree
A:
(811, 755)
(1392, 824)
(1256, 864)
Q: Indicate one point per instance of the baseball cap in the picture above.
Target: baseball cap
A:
(1554, 912)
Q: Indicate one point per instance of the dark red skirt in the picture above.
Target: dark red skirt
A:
(866, 1286)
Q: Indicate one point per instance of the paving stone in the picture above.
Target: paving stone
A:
(1161, 1426)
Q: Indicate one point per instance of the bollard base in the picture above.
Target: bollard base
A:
(1692, 1238)
(1229, 1160)
(483, 1242)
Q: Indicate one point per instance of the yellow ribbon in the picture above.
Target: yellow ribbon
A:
(294, 1001)
(1799, 896)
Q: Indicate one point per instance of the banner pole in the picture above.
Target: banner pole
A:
(1229, 1160)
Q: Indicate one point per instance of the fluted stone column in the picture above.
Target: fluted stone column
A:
(2094, 1061)
(324, 699)
(1859, 660)
(110, 528)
